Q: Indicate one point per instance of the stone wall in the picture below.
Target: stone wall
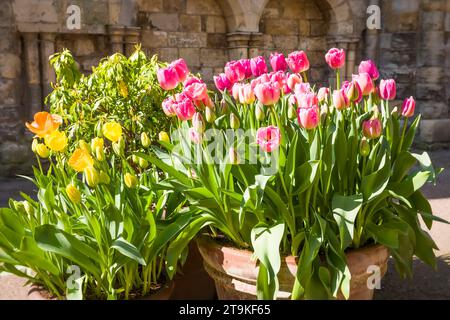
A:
(413, 47)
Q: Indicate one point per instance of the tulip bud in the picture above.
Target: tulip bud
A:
(364, 147)
(130, 180)
(83, 145)
(198, 123)
(408, 107)
(323, 113)
(234, 121)
(19, 206)
(394, 112)
(29, 209)
(372, 128)
(97, 142)
(99, 154)
(42, 150)
(210, 115)
(145, 140)
(259, 112)
(376, 112)
(223, 106)
(143, 163)
(73, 193)
(103, 177)
(116, 148)
(292, 113)
(135, 158)
(163, 136)
(234, 157)
(92, 177)
(34, 145)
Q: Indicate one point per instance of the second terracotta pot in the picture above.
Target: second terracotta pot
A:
(235, 273)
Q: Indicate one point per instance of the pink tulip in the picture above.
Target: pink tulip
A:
(235, 71)
(181, 68)
(246, 64)
(195, 136)
(192, 80)
(307, 100)
(308, 118)
(168, 78)
(365, 82)
(292, 80)
(408, 107)
(335, 58)
(369, 67)
(340, 99)
(265, 78)
(268, 138)
(246, 95)
(184, 108)
(258, 66)
(323, 94)
(278, 62)
(196, 91)
(352, 90)
(206, 102)
(278, 78)
(301, 88)
(298, 61)
(221, 81)
(167, 106)
(372, 128)
(267, 93)
(388, 89)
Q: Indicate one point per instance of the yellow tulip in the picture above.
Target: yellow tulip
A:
(42, 150)
(123, 89)
(163, 136)
(34, 144)
(130, 180)
(56, 141)
(145, 140)
(73, 193)
(99, 154)
(81, 160)
(92, 177)
(83, 145)
(112, 131)
(97, 143)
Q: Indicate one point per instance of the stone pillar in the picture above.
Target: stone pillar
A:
(238, 45)
(47, 49)
(116, 38)
(132, 35)
(372, 41)
(256, 45)
(350, 60)
(33, 74)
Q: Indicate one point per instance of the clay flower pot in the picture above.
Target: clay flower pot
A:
(235, 273)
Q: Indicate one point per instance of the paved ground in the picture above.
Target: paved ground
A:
(426, 283)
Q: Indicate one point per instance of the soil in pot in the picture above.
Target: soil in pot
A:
(235, 274)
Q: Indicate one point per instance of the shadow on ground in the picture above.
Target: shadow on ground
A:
(426, 284)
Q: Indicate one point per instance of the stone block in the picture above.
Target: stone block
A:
(191, 56)
(431, 75)
(83, 47)
(154, 39)
(318, 28)
(207, 74)
(313, 43)
(36, 11)
(213, 57)
(9, 92)
(434, 5)
(385, 40)
(203, 7)
(216, 40)
(281, 27)
(10, 66)
(151, 5)
(286, 42)
(397, 58)
(164, 21)
(433, 20)
(304, 28)
(6, 15)
(400, 15)
(215, 24)
(13, 152)
(431, 91)
(187, 39)
(166, 54)
(174, 6)
(190, 23)
(436, 130)
(433, 109)
(403, 40)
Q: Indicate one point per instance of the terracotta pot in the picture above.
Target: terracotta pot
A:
(192, 281)
(235, 273)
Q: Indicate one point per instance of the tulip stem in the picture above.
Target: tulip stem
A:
(305, 77)
(338, 79)
(405, 121)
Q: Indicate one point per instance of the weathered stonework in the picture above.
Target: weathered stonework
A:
(413, 47)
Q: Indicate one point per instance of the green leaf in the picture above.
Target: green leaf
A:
(386, 236)
(345, 210)
(374, 184)
(410, 184)
(409, 137)
(305, 176)
(128, 250)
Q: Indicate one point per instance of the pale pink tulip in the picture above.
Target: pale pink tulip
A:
(365, 83)
(292, 80)
(268, 138)
(308, 118)
(307, 100)
(196, 91)
(352, 90)
(195, 136)
(267, 93)
(340, 100)
(246, 95)
(167, 106)
(388, 89)
(323, 94)
(369, 67)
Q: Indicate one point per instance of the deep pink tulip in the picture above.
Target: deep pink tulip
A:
(292, 80)
(184, 108)
(247, 68)
(340, 99)
(365, 82)
(168, 78)
(335, 58)
(372, 128)
(408, 107)
(196, 91)
(323, 94)
(388, 89)
(308, 118)
(267, 93)
(307, 100)
(258, 66)
(167, 106)
(222, 83)
(278, 78)
(369, 67)
(268, 138)
(235, 71)
(181, 68)
(298, 61)
(278, 62)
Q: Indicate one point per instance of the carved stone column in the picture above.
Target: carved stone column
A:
(132, 35)
(372, 41)
(350, 60)
(33, 74)
(256, 45)
(47, 49)
(238, 45)
(116, 38)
